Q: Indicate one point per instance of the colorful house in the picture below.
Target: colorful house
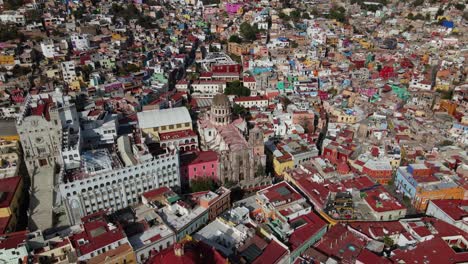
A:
(11, 190)
(421, 184)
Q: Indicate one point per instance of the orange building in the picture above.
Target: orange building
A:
(123, 254)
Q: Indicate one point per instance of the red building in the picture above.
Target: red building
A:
(379, 170)
(188, 252)
(198, 165)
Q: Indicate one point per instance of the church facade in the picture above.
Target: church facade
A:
(242, 158)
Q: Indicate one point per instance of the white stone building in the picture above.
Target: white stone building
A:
(103, 183)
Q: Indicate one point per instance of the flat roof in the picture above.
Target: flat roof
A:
(164, 117)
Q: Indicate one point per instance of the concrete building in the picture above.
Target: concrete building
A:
(454, 212)
(154, 122)
(103, 183)
(241, 160)
(41, 125)
(183, 218)
(421, 184)
(155, 237)
(96, 237)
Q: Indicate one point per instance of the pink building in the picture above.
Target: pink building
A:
(233, 8)
(199, 164)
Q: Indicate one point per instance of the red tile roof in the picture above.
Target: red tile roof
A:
(305, 232)
(342, 244)
(273, 253)
(194, 252)
(435, 250)
(366, 256)
(453, 208)
(156, 192)
(8, 188)
(381, 201)
(250, 98)
(188, 133)
(96, 234)
(377, 230)
(12, 240)
(275, 193)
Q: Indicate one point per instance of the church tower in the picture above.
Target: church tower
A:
(220, 113)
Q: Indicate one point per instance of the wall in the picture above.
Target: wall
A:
(119, 188)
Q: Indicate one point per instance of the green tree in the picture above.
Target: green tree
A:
(460, 6)
(283, 16)
(203, 184)
(235, 38)
(295, 15)
(236, 88)
(248, 31)
(388, 241)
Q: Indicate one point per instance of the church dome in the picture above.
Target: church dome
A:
(220, 100)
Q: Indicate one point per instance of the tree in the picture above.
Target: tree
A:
(236, 88)
(283, 16)
(460, 6)
(9, 32)
(295, 15)
(159, 14)
(337, 13)
(203, 184)
(305, 15)
(248, 31)
(388, 241)
(235, 38)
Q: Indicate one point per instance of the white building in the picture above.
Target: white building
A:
(252, 101)
(12, 17)
(80, 42)
(99, 127)
(156, 237)
(224, 236)
(68, 71)
(112, 186)
(209, 87)
(454, 212)
(48, 49)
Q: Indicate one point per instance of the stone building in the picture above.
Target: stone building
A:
(46, 120)
(241, 152)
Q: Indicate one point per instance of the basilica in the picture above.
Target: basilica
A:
(242, 158)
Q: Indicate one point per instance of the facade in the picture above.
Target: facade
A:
(199, 165)
(40, 127)
(154, 122)
(11, 190)
(379, 170)
(451, 211)
(185, 140)
(98, 236)
(216, 202)
(183, 218)
(241, 160)
(252, 101)
(421, 184)
(209, 87)
(118, 187)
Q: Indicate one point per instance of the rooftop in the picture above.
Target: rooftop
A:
(96, 233)
(8, 187)
(180, 214)
(280, 194)
(456, 209)
(163, 117)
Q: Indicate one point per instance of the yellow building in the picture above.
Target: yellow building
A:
(7, 60)
(153, 122)
(280, 164)
(123, 254)
(10, 199)
(58, 250)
